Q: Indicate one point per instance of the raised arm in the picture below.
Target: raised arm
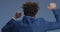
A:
(9, 26)
(56, 12)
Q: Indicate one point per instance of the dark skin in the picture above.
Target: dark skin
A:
(17, 15)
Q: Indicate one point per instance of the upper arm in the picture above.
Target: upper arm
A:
(5, 28)
(52, 25)
(49, 25)
(8, 27)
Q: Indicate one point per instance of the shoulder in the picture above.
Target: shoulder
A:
(40, 20)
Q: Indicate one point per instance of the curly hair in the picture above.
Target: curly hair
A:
(30, 8)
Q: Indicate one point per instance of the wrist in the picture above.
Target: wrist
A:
(15, 17)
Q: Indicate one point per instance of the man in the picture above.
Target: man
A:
(30, 24)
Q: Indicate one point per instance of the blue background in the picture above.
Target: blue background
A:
(9, 7)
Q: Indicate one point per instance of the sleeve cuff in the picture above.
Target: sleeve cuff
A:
(13, 18)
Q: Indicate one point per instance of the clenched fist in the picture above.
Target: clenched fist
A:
(17, 15)
(52, 6)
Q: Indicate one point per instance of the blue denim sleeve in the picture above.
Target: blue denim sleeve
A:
(51, 25)
(57, 14)
(8, 27)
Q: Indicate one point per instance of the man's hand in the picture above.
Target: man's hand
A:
(17, 15)
(52, 6)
